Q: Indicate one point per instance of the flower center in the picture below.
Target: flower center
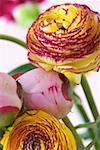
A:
(59, 18)
(31, 142)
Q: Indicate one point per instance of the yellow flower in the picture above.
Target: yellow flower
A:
(38, 130)
(66, 38)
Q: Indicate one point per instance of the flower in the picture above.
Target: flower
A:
(38, 130)
(47, 91)
(10, 104)
(7, 7)
(66, 38)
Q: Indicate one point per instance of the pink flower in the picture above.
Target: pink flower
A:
(10, 104)
(7, 7)
(47, 91)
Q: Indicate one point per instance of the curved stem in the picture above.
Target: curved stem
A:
(23, 68)
(13, 39)
(89, 96)
(72, 128)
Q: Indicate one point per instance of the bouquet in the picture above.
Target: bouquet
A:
(63, 46)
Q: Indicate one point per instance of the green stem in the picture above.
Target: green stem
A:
(23, 68)
(82, 112)
(89, 96)
(13, 39)
(90, 145)
(80, 107)
(79, 143)
(86, 125)
(91, 102)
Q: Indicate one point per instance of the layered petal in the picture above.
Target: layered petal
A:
(47, 91)
(10, 104)
(38, 130)
(66, 38)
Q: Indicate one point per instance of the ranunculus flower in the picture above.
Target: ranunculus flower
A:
(39, 131)
(10, 104)
(66, 38)
(7, 7)
(47, 91)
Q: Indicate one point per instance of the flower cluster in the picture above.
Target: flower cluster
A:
(63, 41)
(45, 91)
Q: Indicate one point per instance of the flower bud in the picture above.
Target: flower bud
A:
(25, 14)
(39, 131)
(10, 104)
(47, 91)
(66, 38)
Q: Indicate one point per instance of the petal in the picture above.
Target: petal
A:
(66, 38)
(37, 129)
(43, 90)
(7, 84)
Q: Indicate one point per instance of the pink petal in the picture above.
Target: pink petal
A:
(46, 91)
(8, 92)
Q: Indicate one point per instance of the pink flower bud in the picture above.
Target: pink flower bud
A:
(47, 91)
(10, 104)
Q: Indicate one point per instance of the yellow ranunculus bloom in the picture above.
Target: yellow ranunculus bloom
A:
(66, 38)
(38, 130)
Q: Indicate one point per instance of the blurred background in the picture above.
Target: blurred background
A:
(16, 16)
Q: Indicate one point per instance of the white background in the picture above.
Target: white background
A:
(12, 55)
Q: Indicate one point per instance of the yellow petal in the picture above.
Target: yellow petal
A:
(41, 130)
(5, 139)
(74, 78)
